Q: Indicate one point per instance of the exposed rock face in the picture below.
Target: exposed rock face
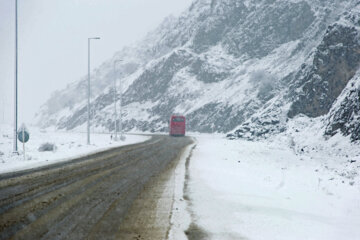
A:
(345, 114)
(244, 67)
(217, 21)
(144, 88)
(336, 61)
(268, 27)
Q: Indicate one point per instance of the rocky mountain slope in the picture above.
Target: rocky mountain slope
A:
(244, 67)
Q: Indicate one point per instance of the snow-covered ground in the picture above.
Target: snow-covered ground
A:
(287, 188)
(68, 146)
(292, 186)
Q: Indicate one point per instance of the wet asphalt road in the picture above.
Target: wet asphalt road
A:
(85, 198)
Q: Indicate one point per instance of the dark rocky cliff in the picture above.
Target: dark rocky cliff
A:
(335, 62)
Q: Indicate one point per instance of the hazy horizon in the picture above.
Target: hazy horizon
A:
(53, 43)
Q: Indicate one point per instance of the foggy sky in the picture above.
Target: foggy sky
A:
(53, 42)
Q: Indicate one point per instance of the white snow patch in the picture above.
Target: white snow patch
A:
(180, 218)
(69, 145)
(261, 190)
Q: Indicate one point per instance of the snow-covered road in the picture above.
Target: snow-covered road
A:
(109, 195)
(290, 187)
(266, 190)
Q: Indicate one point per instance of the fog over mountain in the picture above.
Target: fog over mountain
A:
(245, 68)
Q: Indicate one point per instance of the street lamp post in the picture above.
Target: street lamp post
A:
(15, 150)
(122, 137)
(115, 112)
(88, 102)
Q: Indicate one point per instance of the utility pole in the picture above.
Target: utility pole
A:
(88, 102)
(15, 150)
(122, 138)
(115, 112)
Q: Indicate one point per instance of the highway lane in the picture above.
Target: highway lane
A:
(86, 197)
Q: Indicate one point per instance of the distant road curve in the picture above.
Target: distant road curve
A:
(85, 198)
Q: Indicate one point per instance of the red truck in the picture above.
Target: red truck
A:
(177, 126)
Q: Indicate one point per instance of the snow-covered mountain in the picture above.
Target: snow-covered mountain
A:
(243, 67)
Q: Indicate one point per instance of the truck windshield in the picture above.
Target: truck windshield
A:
(178, 119)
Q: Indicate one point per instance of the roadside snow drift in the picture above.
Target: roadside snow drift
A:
(68, 145)
(273, 190)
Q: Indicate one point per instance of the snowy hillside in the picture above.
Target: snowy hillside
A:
(243, 67)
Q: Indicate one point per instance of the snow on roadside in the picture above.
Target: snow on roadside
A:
(68, 146)
(267, 190)
(180, 218)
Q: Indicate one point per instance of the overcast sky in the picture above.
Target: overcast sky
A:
(53, 42)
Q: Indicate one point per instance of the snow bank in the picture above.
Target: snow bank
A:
(69, 145)
(180, 219)
(273, 190)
